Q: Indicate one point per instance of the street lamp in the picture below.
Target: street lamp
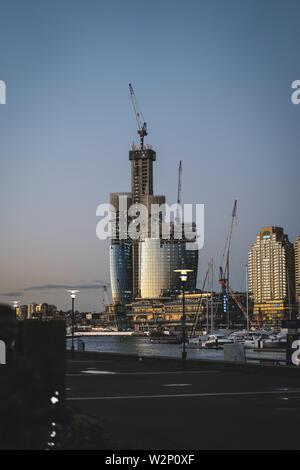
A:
(72, 293)
(183, 277)
(15, 304)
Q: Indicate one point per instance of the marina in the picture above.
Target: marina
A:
(142, 346)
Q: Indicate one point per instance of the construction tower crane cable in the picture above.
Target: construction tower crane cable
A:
(142, 128)
(179, 183)
(178, 218)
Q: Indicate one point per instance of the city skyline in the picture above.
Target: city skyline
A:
(215, 88)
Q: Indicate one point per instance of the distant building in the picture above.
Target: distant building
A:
(45, 310)
(31, 310)
(271, 273)
(297, 268)
(166, 312)
(21, 312)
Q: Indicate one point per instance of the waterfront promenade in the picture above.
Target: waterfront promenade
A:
(154, 404)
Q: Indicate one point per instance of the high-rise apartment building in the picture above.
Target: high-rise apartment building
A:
(271, 271)
(297, 268)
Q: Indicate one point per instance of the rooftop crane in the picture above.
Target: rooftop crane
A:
(142, 128)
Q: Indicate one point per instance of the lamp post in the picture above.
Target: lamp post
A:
(15, 304)
(72, 293)
(183, 277)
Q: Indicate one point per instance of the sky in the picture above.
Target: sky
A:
(213, 79)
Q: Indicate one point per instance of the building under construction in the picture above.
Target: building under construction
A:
(143, 267)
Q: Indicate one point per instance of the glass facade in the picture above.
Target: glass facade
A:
(158, 260)
(189, 259)
(121, 272)
(153, 268)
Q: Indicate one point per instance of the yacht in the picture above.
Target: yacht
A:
(216, 340)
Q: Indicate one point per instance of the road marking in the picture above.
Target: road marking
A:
(97, 372)
(90, 362)
(288, 389)
(172, 372)
(176, 385)
(78, 374)
(290, 398)
(181, 395)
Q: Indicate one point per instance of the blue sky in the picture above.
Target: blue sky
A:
(213, 79)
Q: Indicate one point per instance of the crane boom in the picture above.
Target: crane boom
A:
(142, 128)
(239, 304)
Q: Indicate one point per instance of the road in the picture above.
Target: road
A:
(162, 407)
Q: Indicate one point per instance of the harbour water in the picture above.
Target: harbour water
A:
(143, 347)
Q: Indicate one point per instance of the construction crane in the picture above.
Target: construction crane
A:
(235, 298)
(224, 269)
(142, 128)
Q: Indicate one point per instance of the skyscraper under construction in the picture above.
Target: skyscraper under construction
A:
(144, 267)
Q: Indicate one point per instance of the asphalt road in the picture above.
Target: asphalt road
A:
(158, 407)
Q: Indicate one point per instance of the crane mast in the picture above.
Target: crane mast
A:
(224, 269)
(142, 128)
